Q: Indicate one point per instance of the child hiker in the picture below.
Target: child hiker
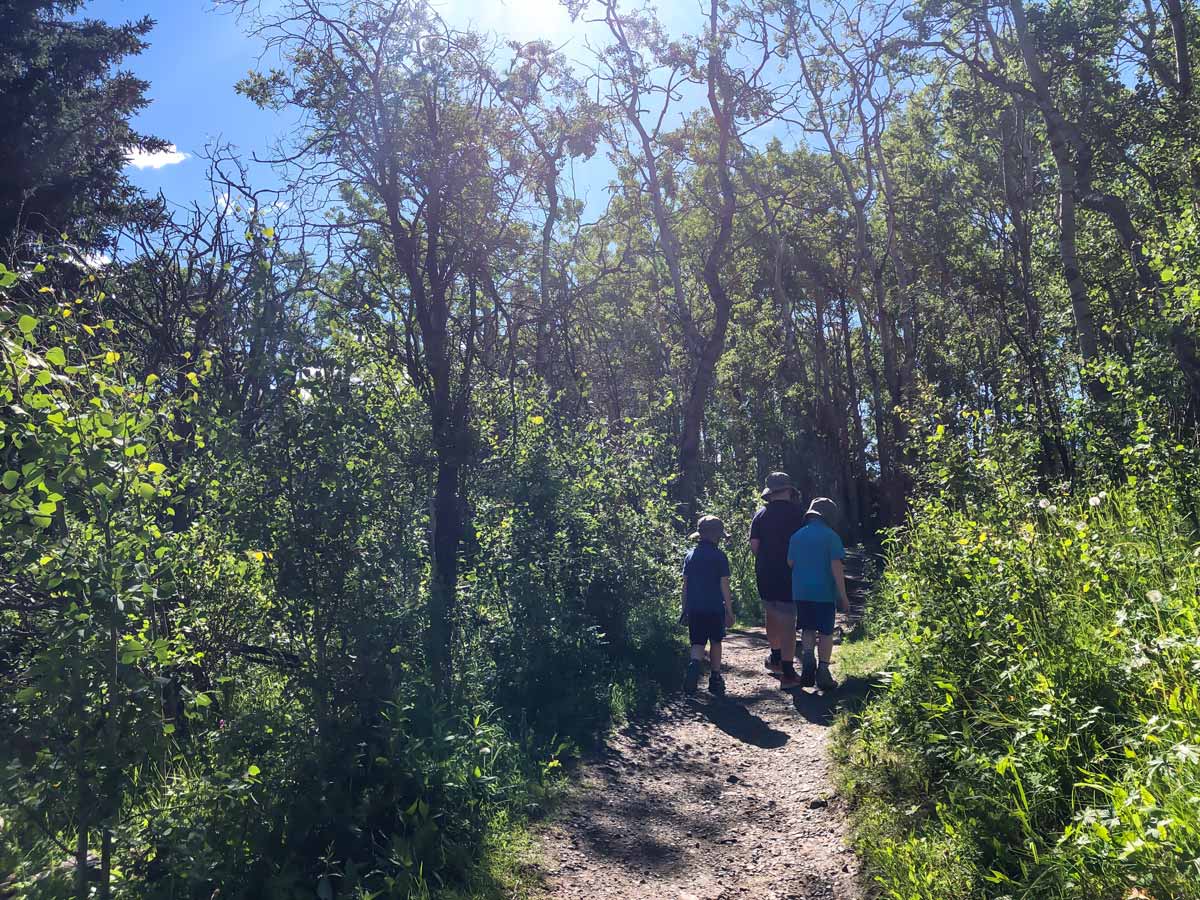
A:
(815, 554)
(707, 603)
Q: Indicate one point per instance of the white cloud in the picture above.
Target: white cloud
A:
(96, 260)
(154, 159)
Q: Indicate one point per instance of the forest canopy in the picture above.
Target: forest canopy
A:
(343, 508)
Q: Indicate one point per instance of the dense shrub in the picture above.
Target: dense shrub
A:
(1038, 738)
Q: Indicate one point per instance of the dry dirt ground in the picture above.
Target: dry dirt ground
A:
(711, 799)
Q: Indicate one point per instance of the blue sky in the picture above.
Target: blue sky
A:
(197, 55)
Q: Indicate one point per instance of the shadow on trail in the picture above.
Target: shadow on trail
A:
(733, 718)
(821, 708)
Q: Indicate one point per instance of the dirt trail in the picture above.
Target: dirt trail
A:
(711, 799)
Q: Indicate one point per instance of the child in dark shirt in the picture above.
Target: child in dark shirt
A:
(707, 602)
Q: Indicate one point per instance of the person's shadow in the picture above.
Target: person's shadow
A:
(740, 724)
(820, 707)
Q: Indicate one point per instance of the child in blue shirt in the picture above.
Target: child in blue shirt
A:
(815, 554)
(707, 603)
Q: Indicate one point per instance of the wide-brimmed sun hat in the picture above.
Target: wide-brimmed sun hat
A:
(776, 482)
(823, 507)
(709, 528)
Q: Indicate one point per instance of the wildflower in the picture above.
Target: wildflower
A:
(1093, 501)
(1103, 495)
(1154, 597)
(1043, 503)
(1051, 509)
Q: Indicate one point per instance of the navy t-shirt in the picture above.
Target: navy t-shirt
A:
(704, 567)
(773, 526)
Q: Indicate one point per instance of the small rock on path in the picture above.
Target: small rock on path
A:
(711, 799)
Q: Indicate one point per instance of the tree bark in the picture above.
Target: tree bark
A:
(1063, 147)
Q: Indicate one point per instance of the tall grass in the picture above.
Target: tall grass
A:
(1038, 737)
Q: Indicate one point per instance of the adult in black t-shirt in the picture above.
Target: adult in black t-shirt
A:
(770, 531)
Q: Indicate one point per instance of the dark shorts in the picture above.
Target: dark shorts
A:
(814, 616)
(705, 627)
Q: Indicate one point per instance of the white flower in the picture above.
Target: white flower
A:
(1051, 509)
(1103, 495)
(1093, 501)
(1154, 597)
(1043, 503)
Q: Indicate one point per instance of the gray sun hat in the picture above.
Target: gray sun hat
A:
(823, 507)
(776, 482)
(709, 528)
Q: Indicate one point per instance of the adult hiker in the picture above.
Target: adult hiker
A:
(770, 531)
(815, 554)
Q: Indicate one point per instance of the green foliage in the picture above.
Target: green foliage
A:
(1039, 725)
(573, 585)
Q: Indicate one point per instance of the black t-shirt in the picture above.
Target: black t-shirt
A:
(773, 526)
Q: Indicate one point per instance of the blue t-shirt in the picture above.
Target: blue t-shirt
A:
(811, 552)
(704, 567)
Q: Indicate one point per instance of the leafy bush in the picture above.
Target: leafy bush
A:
(1038, 734)
(574, 574)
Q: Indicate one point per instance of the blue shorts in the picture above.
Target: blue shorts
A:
(812, 616)
(705, 627)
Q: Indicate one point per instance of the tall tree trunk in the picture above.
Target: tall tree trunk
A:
(714, 263)
(446, 537)
(1062, 146)
(545, 324)
(1183, 59)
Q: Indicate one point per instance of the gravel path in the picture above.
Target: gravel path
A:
(711, 799)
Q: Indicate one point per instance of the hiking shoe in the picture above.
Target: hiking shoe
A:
(808, 674)
(774, 666)
(788, 680)
(692, 677)
(825, 679)
(716, 685)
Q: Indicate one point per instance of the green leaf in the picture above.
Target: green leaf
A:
(10, 479)
(56, 356)
(27, 324)
(253, 771)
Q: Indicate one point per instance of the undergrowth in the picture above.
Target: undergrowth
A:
(1037, 737)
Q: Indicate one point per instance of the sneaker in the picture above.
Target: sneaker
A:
(774, 665)
(825, 679)
(692, 677)
(808, 674)
(787, 677)
(716, 685)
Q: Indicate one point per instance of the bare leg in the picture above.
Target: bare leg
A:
(784, 626)
(714, 657)
(772, 625)
(825, 648)
(808, 640)
(698, 652)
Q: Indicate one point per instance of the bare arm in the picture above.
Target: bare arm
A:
(839, 578)
(728, 595)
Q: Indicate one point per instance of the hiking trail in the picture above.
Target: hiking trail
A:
(713, 799)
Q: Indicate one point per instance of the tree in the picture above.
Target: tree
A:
(66, 110)
(405, 123)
